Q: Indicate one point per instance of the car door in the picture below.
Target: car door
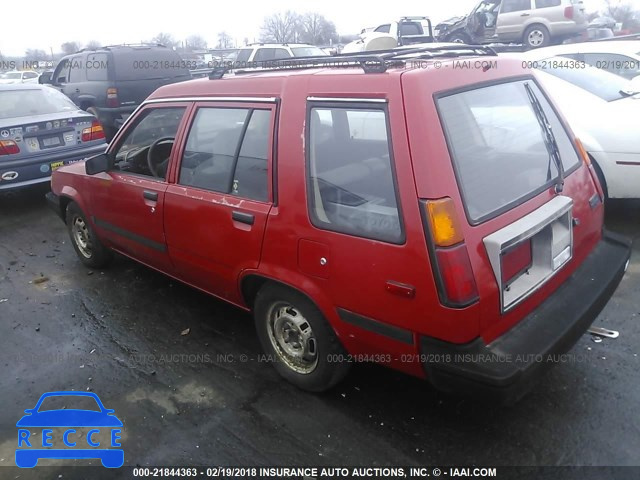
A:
(127, 202)
(216, 209)
(514, 14)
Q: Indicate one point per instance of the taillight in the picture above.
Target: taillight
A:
(568, 13)
(112, 98)
(94, 132)
(515, 261)
(8, 147)
(457, 285)
(583, 153)
(587, 161)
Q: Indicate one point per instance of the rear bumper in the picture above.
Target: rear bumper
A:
(37, 169)
(507, 368)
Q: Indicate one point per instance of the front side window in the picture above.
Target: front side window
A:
(350, 177)
(147, 145)
(384, 28)
(98, 67)
(227, 152)
(498, 146)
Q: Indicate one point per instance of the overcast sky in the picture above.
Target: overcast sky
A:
(46, 24)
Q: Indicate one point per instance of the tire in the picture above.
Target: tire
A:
(459, 38)
(309, 357)
(536, 36)
(109, 132)
(84, 239)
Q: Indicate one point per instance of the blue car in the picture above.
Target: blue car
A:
(40, 131)
(29, 451)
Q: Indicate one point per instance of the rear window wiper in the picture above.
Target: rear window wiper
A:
(549, 138)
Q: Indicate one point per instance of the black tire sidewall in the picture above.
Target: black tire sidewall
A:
(330, 370)
(100, 255)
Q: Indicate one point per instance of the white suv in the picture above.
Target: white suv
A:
(268, 52)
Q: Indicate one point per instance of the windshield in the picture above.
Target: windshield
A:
(601, 83)
(37, 101)
(308, 52)
(499, 148)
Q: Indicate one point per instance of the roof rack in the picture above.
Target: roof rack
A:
(371, 62)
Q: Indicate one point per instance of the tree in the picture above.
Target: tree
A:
(35, 55)
(93, 45)
(196, 42)
(622, 12)
(281, 28)
(224, 40)
(70, 47)
(165, 39)
(317, 30)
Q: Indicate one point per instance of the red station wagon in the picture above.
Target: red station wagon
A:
(444, 222)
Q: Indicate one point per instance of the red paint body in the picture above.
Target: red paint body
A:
(393, 284)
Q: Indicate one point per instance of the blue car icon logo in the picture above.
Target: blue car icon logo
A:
(39, 429)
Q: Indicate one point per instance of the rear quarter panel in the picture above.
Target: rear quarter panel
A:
(435, 178)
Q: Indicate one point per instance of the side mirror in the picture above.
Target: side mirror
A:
(45, 79)
(98, 164)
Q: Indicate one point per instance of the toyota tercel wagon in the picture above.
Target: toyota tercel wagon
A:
(443, 222)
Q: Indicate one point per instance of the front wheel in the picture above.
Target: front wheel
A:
(84, 239)
(295, 334)
(459, 38)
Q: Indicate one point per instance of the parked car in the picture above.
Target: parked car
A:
(26, 76)
(373, 211)
(621, 57)
(408, 30)
(259, 53)
(534, 23)
(112, 81)
(40, 131)
(603, 109)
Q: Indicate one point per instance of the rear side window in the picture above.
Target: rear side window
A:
(227, 152)
(509, 6)
(498, 146)
(350, 176)
(548, 3)
(384, 28)
(147, 64)
(98, 67)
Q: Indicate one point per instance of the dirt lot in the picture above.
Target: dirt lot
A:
(205, 398)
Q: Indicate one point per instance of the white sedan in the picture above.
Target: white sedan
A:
(26, 76)
(603, 110)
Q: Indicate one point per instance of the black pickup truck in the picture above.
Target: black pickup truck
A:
(110, 82)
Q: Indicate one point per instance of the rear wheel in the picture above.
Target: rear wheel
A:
(536, 36)
(300, 341)
(84, 240)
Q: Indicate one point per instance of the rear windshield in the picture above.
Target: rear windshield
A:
(601, 83)
(148, 64)
(40, 101)
(498, 146)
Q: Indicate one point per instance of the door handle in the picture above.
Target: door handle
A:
(153, 196)
(77, 90)
(243, 217)
(525, 14)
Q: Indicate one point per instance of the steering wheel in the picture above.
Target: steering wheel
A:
(152, 167)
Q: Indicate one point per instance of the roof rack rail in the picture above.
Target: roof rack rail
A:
(371, 62)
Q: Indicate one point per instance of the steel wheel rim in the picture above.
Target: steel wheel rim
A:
(81, 237)
(292, 338)
(536, 38)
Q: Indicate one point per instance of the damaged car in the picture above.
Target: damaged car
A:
(532, 23)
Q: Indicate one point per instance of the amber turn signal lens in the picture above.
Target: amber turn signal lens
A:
(583, 153)
(445, 227)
